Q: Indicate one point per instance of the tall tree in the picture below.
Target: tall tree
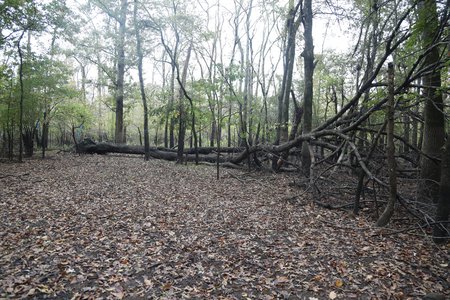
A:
(181, 79)
(392, 168)
(434, 126)
(180, 25)
(119, 15)
(141, 80)
(122, 19)
(19, 50)
(308, 57)
(248, 82)
(292, 25)
(441, 229)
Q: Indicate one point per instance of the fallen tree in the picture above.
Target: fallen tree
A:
(233, 155)
(207, 154)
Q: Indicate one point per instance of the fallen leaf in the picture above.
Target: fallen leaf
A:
(147, 282)
(92, 224)
(338, 283)
(281, 279)
(166, 286)
(318, 277)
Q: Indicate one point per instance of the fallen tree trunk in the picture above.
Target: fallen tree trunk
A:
(90, 147)
(204, 150)
(208, 154)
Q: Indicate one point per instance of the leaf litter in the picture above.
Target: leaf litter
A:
(116, 227)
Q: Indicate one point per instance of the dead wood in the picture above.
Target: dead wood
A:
(90, 147)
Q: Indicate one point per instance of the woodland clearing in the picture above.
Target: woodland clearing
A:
(116, 227)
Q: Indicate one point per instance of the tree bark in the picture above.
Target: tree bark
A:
(292, 26)
(298, 114)
(308, 55)
(44, 138)
(248, 82)
(172, 100)
(441, 230)
(28, 140)
(392, 168)
(21, 96)
(182, 108)
(434, 126)
(119, 129)
(168, 110)
(141, 82)
(207, 154)
(406, 130)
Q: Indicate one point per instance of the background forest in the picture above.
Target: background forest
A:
(255, 79)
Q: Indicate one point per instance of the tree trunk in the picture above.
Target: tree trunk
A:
(204, 154)
(229, 125)
(172, 120)
(434, 127)
(83, 74)
(140, 136)
(28, 141)
(119, 129)
(308, 56)
(141, 83)
(21, 96)
(287, 87)
(392, 168)
(182, 108)
(289, 60)
(248, 82)
(99, 98)
(406, 130)
(11, 143)
(4, 142)
(298, 114)
(441, 230)
(44, 138)
(212, 136)
(415, 122)
(168, 109)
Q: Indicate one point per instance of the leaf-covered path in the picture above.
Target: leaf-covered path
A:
(120, 228)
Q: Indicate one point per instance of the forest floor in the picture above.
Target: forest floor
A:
(116, 227)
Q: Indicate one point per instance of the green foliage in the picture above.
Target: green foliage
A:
(232, 72)
(8, 108)
(17, 16)
(60, 18)
(74, 113)
(332, 72)
(46, 84)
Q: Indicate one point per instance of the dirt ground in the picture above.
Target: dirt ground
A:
(116, 227)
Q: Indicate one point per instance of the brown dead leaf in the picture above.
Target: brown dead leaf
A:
(318, 277)
(166, 286)
(93, 226)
